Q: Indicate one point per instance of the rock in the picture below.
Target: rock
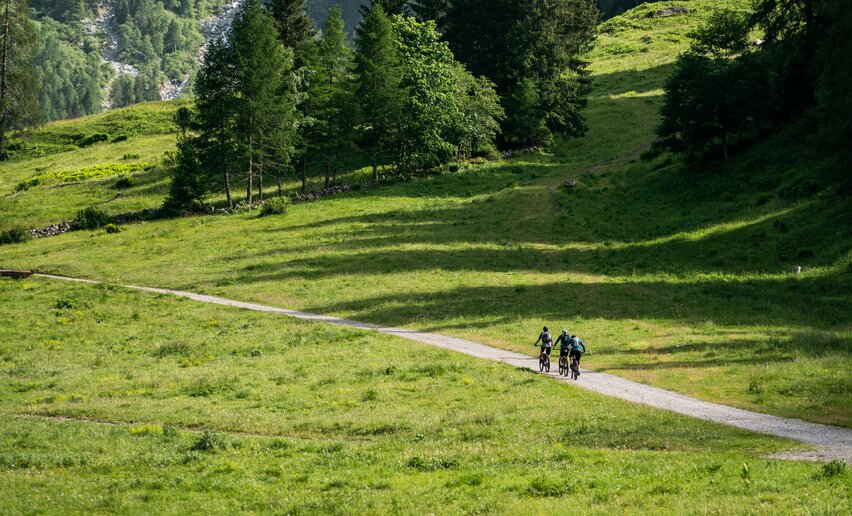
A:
(52, 230)
(570, 184)
(671, 11)
(797, 270)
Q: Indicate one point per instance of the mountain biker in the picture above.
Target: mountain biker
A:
(565, 343)
(546, 340)
(577, 350)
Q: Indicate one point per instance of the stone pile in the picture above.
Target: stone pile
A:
(52, 230)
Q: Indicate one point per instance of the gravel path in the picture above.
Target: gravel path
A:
(829, 441)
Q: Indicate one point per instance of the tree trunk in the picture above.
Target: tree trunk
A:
(304, 174)
(375, 165)
(260, 181)
(334, 176)
(280, 194)
(4, 72)
(327, 171)
(228, 185)
(250, 178)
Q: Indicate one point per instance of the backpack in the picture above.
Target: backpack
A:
(546, 338)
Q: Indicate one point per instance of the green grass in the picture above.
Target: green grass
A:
(675, 274)
(222, 410)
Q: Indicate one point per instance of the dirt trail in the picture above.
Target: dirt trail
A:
(830, 441)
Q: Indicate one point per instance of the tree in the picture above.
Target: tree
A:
(834, 83)
(292, 21)
(18, 85)
(478, 123)
(331, 99)
(719, 90)
(214, 119)
(528, 45)
(379, 76)
(390, 7)
(430, 107)
(434, 10)
(263, 105)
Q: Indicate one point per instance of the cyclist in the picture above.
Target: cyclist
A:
(577, 350)
(565, 343)
(546, 340)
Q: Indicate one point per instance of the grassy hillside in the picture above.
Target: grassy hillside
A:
(233, 411)
(675, 274)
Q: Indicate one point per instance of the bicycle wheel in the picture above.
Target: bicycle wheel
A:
(541, 364)
(547, 365)
(561, 368)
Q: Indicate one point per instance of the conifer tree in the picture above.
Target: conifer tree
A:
(18, 85)
(263, 69)
(531, 50)
(379, 76)
(331, 99)
(292, 21)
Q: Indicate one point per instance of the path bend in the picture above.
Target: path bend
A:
(830, 441)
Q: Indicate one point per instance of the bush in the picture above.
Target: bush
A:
(208, 441)
(112, 229)
(93, 139)
(130, 156)
(91, 218)
(123, 183)
(23, 186)
(276, 206)
(15, 235)
(120, 138)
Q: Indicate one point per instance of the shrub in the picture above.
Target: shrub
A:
(130, 156)
(23, 186)
(93, 139)
(835, 468)
(120, 138)
(208, 441)
(112, 229)
(91, 218)
(276, 206)
(123, 183)
(15, 235)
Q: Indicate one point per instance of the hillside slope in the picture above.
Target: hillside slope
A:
(674, 274)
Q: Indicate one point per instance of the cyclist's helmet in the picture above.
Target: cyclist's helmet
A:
(545, 328)
(573, 336)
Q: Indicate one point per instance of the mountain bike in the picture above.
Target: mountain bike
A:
(544, 362)
(575, 367)
(563, 365)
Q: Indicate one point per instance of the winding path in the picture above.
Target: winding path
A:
(830, 441)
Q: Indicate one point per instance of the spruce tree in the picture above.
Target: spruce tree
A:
(263, 105)
(531, 50)
(379, 76)
(292, 21)
(331, 101)
(18, 85)
(215, 120)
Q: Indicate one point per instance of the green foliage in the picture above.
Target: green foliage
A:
(377, 66)
(19, 84)
(275, 206)
(531, 51)
(719, 92)
(15, 235)
(112, 229)
(91, 218)
(294, 25)
(330, 90)
(94, 172)
(835, 468)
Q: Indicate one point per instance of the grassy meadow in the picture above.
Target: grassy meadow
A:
(123, 401)
(675, 274)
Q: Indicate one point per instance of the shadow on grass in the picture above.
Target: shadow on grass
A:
(752, 303)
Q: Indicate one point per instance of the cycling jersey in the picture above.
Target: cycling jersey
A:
(546, 339)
